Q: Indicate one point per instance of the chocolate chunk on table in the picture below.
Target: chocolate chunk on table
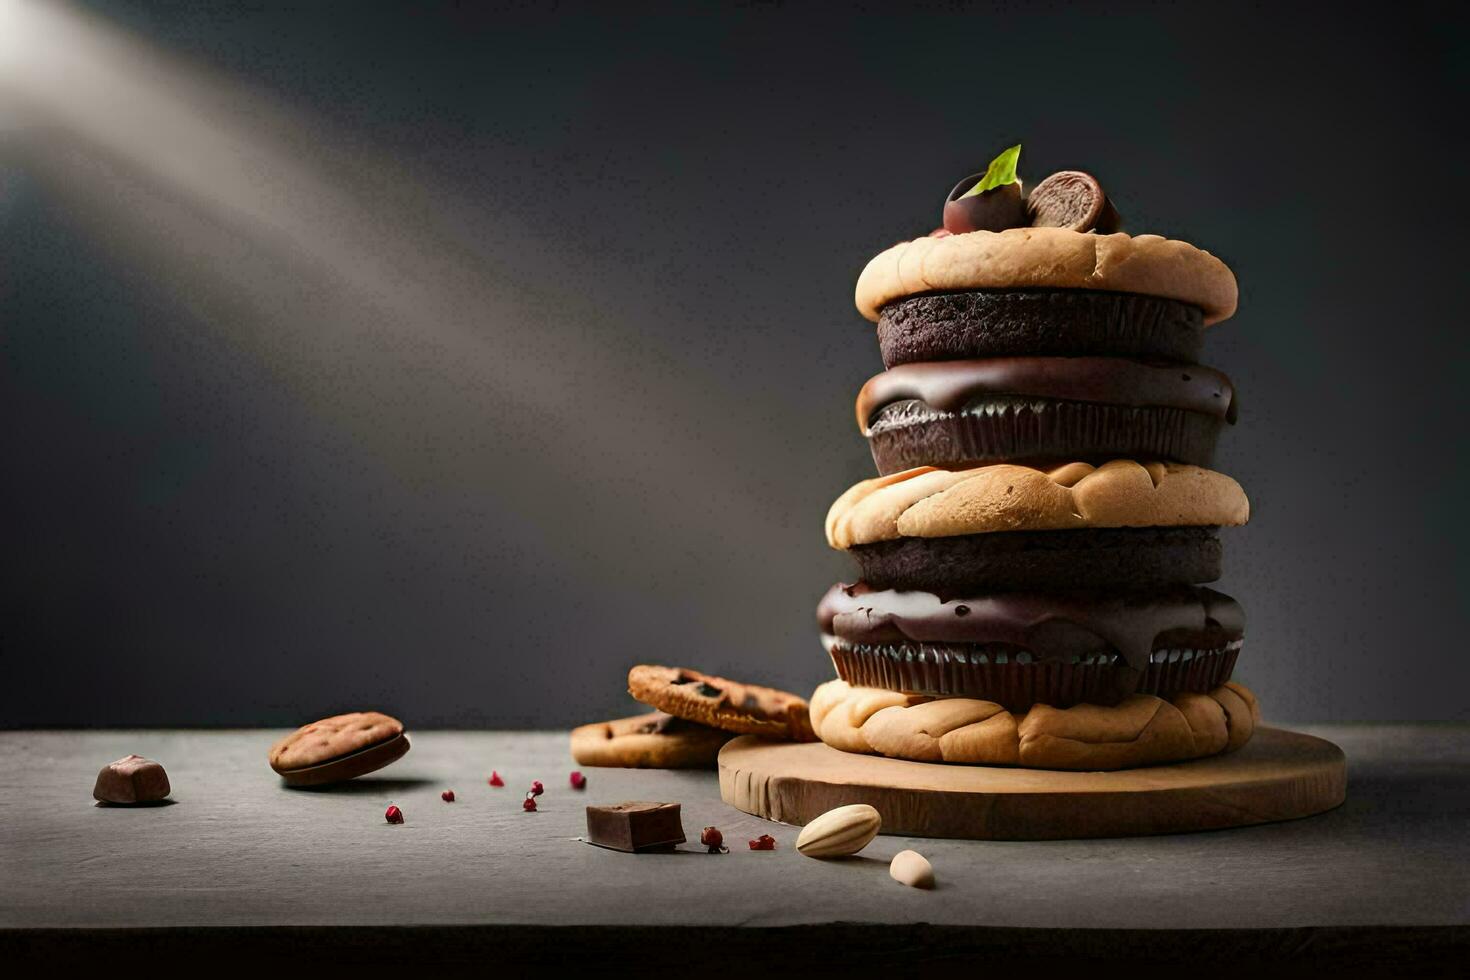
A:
(131, 779)
(635, 826)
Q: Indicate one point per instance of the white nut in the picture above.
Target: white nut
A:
(913, 869)
(845, 830)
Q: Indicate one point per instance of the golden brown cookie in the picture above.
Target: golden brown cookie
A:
(652, 741)
(720, 703)
(1142, 730)
(338, 748)
(1049, 258)
(925, 502)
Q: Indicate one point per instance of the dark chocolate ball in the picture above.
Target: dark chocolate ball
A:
(994, 210)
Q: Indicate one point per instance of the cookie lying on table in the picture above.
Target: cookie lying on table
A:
(652, 741)
(338, 748)
(697, 714)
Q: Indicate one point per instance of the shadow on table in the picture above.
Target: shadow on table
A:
(1403, 802)
(365, 786)
(144, 805)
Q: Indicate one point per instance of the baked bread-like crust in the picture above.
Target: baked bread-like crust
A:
(721, 703)
(331, 738)
(1049, 258)
(651, 741)
(925, 502)
(1140, 731)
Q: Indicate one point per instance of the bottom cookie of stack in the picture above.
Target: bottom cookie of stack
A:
(1141, 730)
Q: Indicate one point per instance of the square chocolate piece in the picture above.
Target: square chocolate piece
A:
(131, 779)
(635, 826)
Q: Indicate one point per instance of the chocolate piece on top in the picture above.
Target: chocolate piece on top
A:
(635, 827)
(994, 210)
(1075, 200)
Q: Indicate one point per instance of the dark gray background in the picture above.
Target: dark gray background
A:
(568, 383)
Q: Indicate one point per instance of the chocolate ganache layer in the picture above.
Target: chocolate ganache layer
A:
(953, 413)
(1133, 558)
(1059, 322)
(1020, 649)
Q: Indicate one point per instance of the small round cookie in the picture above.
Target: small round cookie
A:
(720, 703)
(1006, 409)
(338, 748)
(1049, 258)
(1122, 525)
(652, 741)
(1141, 731)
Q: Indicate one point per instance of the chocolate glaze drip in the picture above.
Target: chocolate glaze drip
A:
(1054, 627)
(952, 385)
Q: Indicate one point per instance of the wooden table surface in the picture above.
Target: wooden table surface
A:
(238, 862)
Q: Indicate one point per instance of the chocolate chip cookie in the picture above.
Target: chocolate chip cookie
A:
(652, 741)
(721, 703)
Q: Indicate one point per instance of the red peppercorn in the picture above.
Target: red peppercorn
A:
(393, 814)
(536, 788)
(495, 779)
(765, 842)
(447, 796)
(578, 780)
(529, 804)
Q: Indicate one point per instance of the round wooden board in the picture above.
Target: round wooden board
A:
(1278, 775)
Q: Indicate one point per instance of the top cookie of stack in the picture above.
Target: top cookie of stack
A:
(1043, 520)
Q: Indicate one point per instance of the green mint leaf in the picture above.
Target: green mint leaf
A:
(1002, 171)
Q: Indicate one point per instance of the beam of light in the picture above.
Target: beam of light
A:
(220, 148)
(184, 163)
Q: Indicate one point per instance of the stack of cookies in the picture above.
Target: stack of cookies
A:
(1034, 549)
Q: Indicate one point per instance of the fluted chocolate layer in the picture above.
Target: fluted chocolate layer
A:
(1020, 649)
(972, 412)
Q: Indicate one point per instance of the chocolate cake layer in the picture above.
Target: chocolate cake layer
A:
(1020, 649)
(1060, 322)
(1123, 558)
(955, 413)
